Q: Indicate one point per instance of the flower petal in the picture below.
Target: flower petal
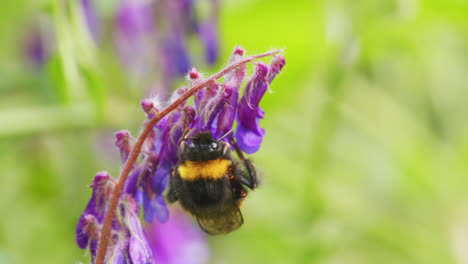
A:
(134, 38)
(248, 140)
(139, 250)
(249, 134)
(92, 19)
(209, 37)
(123, 140)
(178, 241)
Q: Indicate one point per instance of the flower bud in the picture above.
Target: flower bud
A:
(123, 141)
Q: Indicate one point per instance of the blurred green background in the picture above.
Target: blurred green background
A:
(365, 158)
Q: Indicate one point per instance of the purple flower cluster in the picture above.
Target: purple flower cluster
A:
(148, 32)
(178, 241)
(91, 18)
(151, 37)
(38, 43)
(215, 109)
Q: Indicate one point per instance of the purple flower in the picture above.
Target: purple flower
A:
(187, 8)
(118, 252)
(170, 237)
(209, 36)
(131, 185)
(123, 141)
(208, 33)
(249, 134)
(150, 108)
(87, 230)
(178, 241)
(38, 45)
(170, 136)
(215, 99)
(153, 38)
(237, 75)
(234, 79)
(177, 60)
(89, 224)
(139, 250)
(92, 19)
(135, 36)
(102, 186)
(149, 179)
(276, 66)
(128, 242)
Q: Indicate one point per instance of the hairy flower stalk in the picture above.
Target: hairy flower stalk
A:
(110, 225)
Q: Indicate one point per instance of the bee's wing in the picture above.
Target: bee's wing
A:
(222, 223)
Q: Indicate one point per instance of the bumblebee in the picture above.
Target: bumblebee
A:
(209, 184)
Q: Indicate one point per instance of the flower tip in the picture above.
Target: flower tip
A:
(100, 178)
(228, 92)
(261, 70)
(239, 51)
(276, 66)
(194, 74)
(189, 112)
(150, 106)
(147, 105)
(122, 135)
(279, 60)
(82, 238)
(91, 226)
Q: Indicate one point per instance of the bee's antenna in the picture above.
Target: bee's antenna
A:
(225, 135)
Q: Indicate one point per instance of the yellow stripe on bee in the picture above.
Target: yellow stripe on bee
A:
(212, 169)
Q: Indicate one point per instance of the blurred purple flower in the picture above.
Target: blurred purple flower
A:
(135, 36)
(92, 19)
(187, 8)
(38, 45)
(209, 36)
(178, 241)
(152, 37)
(208, 33)
(175, 60)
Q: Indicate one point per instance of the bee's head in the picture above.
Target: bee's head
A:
(202, 147)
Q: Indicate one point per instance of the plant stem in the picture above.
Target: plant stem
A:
(116, 192)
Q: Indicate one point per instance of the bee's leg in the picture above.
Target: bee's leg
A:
(249, 176)
(172, 196)
(185, 134)
(251, 172)
(171, 193)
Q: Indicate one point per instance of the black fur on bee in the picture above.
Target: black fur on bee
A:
(209, 184)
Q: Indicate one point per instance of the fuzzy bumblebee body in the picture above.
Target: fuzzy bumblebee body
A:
(209, 185)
